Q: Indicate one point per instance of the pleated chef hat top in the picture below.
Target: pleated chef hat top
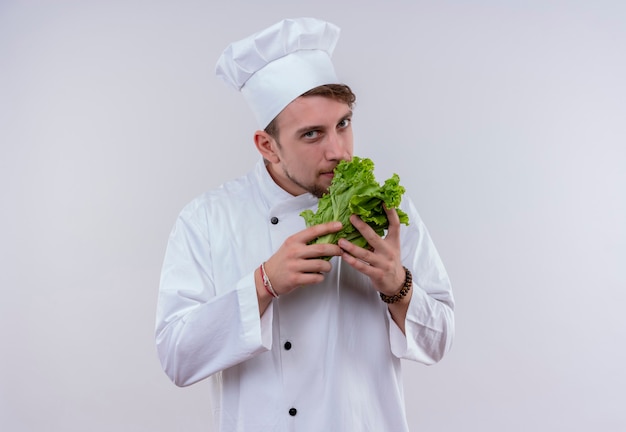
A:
(273, 67)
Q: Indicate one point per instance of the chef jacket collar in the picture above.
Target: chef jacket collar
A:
(273, 195)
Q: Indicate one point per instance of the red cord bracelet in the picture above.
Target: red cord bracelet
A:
(266, 282)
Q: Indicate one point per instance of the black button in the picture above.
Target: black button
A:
(287, 345)
(274, 220)
(293, 411)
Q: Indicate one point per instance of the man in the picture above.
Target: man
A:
(290, 341)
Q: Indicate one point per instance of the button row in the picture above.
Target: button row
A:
(292, 411)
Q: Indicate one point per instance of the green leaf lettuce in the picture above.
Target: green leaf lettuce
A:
(354, 190)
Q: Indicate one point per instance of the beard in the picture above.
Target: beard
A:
(313, 189)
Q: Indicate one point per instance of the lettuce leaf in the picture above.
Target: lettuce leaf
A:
(354, 190)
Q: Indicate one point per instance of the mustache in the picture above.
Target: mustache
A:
(329, 170)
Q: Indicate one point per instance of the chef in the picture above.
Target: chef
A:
(289, 341)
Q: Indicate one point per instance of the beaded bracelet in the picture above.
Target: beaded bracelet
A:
(406, 287)
(266, 282)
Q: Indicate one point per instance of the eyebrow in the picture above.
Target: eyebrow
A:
(306, 129)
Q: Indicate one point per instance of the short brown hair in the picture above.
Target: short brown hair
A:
(338, 92)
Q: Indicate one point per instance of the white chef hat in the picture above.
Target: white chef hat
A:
(273, 67)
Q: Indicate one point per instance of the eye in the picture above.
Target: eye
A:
(344, 123)
(311, 134)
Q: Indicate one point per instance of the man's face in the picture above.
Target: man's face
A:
(315, 133)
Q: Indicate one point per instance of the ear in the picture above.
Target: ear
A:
(266, 145)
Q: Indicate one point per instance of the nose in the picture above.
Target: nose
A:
(337, 147)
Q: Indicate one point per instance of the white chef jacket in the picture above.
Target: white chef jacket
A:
(325, 357)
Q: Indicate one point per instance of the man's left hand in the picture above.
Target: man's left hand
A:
(382, 262)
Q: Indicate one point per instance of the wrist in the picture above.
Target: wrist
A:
(264, 298)
(265, 280)
(402, 291)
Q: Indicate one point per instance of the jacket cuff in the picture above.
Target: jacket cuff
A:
(258, 328)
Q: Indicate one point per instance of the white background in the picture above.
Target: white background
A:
(505, 120)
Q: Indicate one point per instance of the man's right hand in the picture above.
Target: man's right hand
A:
(296, 263)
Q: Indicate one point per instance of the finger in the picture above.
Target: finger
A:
(321, 250)
(311, 278)
(314, 266)
(358, 263)
(316, 231)
(355, 251)
(392, 216)
(393, 231)
(366, 231)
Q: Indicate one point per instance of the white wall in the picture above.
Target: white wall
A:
(505, 120)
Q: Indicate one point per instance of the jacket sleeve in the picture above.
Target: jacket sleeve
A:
(200, 329)
(429, 324)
